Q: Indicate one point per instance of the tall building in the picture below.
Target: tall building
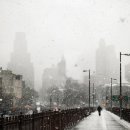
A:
(54, 76)
(107, 63)
(20, 60)
(62, 68)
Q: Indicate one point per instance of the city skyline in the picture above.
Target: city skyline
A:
(69, 28)
(76, 66)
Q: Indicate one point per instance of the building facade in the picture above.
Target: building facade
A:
(11, 86)
(20, 62)
(107, 63)
(54, 76)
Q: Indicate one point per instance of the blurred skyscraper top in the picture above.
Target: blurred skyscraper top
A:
(20, 61)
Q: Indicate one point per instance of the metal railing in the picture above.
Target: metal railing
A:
(49, 120)
(125, 113)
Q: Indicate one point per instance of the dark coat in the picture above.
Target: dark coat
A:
(99, 108)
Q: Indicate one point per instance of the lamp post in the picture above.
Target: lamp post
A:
(95, 99)
(121, 84)
(111, 91)
(53, 93)
(93, 95)
(89, 86)
(0, 103)
(50, 102)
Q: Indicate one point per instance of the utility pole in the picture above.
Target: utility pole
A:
(50, 102)
(111, 94)
(89, 90)
(111, 91)
(93, 95)
(120, 89)
(121, 84)
(89, 86)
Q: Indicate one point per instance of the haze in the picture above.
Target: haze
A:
(72, 28)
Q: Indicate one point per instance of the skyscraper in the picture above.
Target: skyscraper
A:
(20, 62)
(62, 68)
(54, 76)
(107, 63)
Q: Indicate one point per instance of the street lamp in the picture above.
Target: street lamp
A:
(50, 102)
(89, 86)
(121, 84)
(93, 94)
(53, 93)
(111, 91)
(95, 99)
(1, 100)
(93, 88)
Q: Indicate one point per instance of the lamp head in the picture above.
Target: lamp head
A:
(85, 70)
(126, 54)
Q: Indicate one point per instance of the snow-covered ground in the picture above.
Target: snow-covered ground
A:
(107, 121)
(120, 121)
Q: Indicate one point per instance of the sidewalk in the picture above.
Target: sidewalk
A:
(107, 121)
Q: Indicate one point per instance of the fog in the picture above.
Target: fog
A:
(72, 28)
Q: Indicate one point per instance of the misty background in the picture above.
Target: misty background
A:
(69, 28)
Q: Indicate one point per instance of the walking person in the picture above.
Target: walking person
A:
(99, 109)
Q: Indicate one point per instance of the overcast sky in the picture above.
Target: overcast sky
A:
(71, 28)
